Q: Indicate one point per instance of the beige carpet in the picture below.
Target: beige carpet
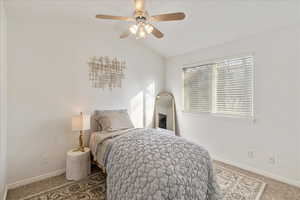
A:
(234, 185)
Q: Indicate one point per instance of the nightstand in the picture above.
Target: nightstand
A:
(78, 164)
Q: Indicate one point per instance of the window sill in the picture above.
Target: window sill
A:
(252, 118)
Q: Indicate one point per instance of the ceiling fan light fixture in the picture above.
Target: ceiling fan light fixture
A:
(133, 29)
(148, 28)
(141, 31)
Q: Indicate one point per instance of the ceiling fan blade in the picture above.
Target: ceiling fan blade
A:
(168, 17)
(139, 5)
(157, 33)
(125, 34)
(114, 17)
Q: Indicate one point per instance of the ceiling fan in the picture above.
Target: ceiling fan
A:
(142, 19)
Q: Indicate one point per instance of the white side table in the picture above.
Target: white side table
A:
(78, 164)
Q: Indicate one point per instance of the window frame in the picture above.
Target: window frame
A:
(212, 62)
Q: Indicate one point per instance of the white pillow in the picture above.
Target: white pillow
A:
(113, 120)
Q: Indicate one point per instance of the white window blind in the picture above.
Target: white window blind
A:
(197, 89)
(223, 87)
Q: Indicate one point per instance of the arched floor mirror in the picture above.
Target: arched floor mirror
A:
(165, 116)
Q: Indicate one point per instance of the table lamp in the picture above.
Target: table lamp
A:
(81, 123)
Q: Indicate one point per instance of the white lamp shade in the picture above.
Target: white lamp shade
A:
(81, 122)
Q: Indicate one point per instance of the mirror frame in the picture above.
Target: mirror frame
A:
(156, 123)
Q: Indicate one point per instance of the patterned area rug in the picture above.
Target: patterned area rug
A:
(235, 186)
(92, 188)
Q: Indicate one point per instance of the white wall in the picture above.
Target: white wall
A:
(48, 83)
(276, 131)
(3, 145)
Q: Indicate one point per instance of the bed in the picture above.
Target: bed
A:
(146, 163)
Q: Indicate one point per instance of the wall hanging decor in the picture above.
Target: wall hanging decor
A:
(106, 72)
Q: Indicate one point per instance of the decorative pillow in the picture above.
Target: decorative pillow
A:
(113, 120)
(104, 123)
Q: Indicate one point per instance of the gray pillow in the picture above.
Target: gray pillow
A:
(113, 120)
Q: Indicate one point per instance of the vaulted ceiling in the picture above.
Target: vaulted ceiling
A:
(208, 22)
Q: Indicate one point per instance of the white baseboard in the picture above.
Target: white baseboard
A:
(5, 192)
(260, 172)
(35, 179)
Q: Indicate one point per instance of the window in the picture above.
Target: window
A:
(222, 87)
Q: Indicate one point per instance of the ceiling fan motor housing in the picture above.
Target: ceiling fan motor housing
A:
(141, 20)
(141, 15)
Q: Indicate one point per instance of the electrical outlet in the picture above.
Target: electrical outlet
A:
(272, 160)
(44, 160)
(251, 154)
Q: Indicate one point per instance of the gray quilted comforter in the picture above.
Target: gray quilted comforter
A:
(154, 165)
